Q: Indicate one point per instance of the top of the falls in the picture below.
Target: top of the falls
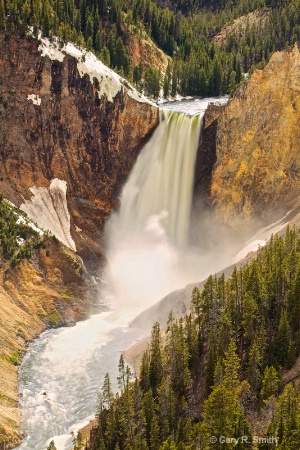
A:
(193, 107)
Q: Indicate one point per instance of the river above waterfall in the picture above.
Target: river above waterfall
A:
(64, 368)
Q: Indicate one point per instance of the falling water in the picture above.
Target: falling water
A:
(147, 239)
(162, 179)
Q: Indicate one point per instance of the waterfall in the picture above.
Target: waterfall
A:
(148, 256)
(147, 236)
(162, 179)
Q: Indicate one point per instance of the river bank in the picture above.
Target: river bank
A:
(48, 291)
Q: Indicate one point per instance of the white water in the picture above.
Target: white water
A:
(147, 239)
(162, 179)
(148, 256)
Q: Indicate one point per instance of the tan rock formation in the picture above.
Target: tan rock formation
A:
(239, 26)
(50, 290)
(143, 49)
(257, 145)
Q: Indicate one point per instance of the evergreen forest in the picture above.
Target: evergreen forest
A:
(222, 370)
(18, 235)
(199, 65)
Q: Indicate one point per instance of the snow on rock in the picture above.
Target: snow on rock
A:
(19, 240)
(36, 100)
(109, 81)
(252, 246)
(31, 225)
(51, 49)
(48, 208)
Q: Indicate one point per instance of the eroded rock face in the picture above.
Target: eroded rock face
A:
(257, 145)
(54, 125)
(52, 289)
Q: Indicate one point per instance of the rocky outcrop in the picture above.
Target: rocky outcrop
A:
(144, 49)
(239, 26)
(206, 155)
(257, 168)
(59, 120)
(52, 289)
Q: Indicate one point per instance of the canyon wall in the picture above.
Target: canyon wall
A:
(50, 289)
(257, 168)
(60, 118)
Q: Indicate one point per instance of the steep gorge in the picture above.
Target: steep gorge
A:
(56, 125)
(52, 289)
(247, 166)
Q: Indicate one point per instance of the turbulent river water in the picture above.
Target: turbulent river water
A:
(62, 372)
(64, 368)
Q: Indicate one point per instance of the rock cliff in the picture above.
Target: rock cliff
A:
(61, 118)
(257, 169)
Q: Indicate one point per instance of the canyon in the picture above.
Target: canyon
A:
(59, 121)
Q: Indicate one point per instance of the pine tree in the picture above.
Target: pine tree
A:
(51, 446)
(2, 14)
(270, 383)
(154, 434)
(231, 367)
(144, 373)
(155, 365)
(105, 56)
(221, 416)
(107, 394)
(282, 343)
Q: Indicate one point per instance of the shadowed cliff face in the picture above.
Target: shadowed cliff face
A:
(72, 135)
(257, 145)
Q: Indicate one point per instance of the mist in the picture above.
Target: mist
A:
(148, 240)
(159, 241)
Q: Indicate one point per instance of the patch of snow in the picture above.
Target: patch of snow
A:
(72, 50)
(137, 96)
(51, 49)
(251, 247)
(30, 224)
(20, 240)
(21, 220)
(48, 208)
(36, 99)
(10, 203)
(110, 82)
(35, 228)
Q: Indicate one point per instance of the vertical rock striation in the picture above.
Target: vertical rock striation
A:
(257, 169)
